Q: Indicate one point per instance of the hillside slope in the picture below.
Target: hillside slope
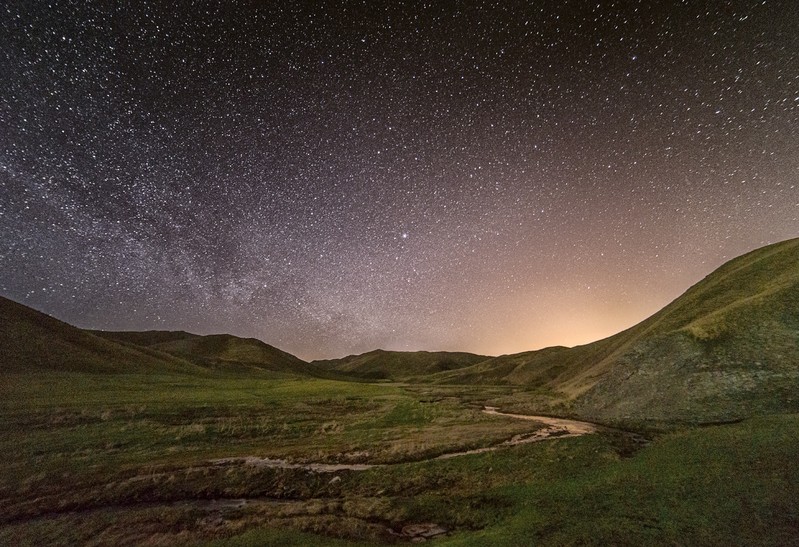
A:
(725, 349)
(32, 341)
(217, 351)
(398, 365)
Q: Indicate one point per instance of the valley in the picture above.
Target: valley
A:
(682, 429)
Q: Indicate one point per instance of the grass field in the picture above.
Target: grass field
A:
(124, 459)
(79, 442)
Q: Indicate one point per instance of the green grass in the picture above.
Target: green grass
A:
(114, 444)
(398, 365)
(724, 350)
(73, 441)
(125, 459)
(726, 485)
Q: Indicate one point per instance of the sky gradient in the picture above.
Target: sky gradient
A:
(490, 177)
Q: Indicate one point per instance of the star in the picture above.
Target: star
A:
(441, 178)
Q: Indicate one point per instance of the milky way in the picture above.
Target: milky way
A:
(479, 176)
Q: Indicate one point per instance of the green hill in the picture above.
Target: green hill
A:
(217, 351)
(398, 365)
(144, 338)
(32, 341)
(724, 350)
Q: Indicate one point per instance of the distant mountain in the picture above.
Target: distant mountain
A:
(726, 349)
(398, 365)
(31, 341)
(216, 351)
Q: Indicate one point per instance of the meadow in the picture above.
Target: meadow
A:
(132, 459)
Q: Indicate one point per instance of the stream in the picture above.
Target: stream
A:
(555, 428)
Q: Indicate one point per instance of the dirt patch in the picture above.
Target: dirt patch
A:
(418, 533)
(572, 427)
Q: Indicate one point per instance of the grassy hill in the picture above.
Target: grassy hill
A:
(158, 458)
(398, 365)
(222, 352)
(33, 341)
(726, 349)
(144, 338)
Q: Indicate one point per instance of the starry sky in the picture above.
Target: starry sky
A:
(335, 177)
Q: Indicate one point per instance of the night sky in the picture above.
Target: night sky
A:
(333, 178)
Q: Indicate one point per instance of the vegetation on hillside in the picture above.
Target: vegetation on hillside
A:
(217, 351)
(399, 365)
(32, 341)
(726, 349)
(174, 438)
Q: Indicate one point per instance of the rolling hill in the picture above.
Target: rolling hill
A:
(726, 349)
(398, 365)
(32, 341)
(217, 351)
(35, 342)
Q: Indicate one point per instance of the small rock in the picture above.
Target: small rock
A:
(335, 480)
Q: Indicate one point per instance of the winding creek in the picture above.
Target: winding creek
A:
(220, 509)
(555, 428)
